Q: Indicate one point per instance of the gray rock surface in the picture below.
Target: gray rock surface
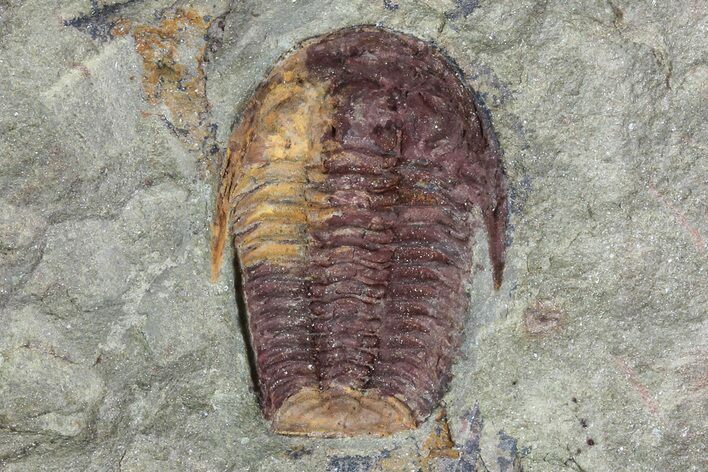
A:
(117, 353)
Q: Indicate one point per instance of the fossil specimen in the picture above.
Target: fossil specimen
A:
(348, 187)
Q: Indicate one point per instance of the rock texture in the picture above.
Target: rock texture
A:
(117, 353)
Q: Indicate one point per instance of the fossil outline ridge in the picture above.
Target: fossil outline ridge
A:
(348, 187)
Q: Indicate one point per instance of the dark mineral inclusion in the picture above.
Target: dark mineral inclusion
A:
(348, 187)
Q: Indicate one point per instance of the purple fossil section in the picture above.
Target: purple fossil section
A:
(409, 156)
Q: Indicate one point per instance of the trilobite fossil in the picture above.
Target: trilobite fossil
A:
(348, 187)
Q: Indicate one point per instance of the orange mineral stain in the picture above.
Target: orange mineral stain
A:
(173, 54)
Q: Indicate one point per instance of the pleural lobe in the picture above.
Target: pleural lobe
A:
(348, 189)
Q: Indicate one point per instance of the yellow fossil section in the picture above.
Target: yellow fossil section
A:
(341, 413)
(271, 158)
